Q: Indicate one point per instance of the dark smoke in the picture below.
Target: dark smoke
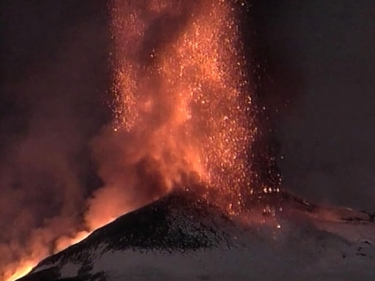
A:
(54, 79)
(312, 63)
(277, 85)
(316, 70)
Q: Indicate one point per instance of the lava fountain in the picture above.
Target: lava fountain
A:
(182, 110)
(181, 93)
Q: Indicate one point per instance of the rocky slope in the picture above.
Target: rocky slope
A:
(181, 236)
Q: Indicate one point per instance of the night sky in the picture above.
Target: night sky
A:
(324, 67)
(317, 63)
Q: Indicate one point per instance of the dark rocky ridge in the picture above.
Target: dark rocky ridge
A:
(182, 221)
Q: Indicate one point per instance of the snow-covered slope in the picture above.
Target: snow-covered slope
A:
(182, 237)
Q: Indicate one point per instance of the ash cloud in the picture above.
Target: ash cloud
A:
(140, 165)
(55, 81)
(54, 78)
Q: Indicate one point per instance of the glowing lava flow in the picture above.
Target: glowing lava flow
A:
(181, 108)
(24, 266)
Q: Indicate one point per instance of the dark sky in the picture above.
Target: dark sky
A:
(318, 60)
(323, 62)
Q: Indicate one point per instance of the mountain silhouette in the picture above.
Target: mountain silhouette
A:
(184, 237)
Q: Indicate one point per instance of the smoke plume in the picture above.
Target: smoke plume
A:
(181, 114)
(53, 85)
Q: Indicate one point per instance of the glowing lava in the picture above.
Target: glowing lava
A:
(180, 92)
(24, 268)
(19, 269)
(181, 106)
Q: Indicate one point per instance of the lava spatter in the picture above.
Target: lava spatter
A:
(182, 111)
(180, 92)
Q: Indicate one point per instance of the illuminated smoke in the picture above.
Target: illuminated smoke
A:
(179, 104)
(182, 115)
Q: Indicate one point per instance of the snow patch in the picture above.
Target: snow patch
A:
(70, 270)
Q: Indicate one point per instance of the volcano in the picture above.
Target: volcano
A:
(183, 237)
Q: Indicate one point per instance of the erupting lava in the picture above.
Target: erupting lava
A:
(182, 113)
(180, 92)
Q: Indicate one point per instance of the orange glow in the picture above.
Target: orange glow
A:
(21, 268)
(179, 101)
(181, 92)
(65, 242)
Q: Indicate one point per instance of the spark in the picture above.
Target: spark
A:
(179, 96)
(199, 109)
